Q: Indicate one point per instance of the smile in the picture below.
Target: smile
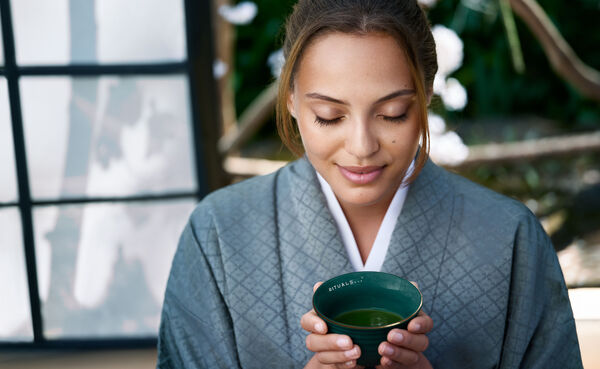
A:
(361, 175)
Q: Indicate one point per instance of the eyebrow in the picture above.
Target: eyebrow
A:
(315, 95)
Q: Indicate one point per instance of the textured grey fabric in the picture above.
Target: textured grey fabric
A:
(243, 274)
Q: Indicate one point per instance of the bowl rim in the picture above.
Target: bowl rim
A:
(332, 321)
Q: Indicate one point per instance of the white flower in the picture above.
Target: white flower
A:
(439, 84)
(454, 95)
(219, 68)
(446, 148)
(276, 61)
(449, 49)
(427, 3)
(242, 13)
(437, 126)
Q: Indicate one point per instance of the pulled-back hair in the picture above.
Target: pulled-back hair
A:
(402, 19)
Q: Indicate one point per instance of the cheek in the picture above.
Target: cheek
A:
(405, 139)
(316, 141)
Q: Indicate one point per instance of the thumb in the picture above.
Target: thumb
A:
(316, 286)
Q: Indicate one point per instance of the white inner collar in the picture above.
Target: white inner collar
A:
(384, 234)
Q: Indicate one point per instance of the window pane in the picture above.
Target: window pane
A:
(8, 184)
(15, 311)
(1, 46)
(108, 136)
(106, 266)
(98, 31)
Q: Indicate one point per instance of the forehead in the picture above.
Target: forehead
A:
(340, 62)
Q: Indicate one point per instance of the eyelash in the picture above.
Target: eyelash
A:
(326, 122)
(399, 118)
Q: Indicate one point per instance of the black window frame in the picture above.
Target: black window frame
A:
(206, 125)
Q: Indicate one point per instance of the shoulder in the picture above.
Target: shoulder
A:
(242, 201)
(255, 189)
(483, 217)
(229, 201)
(487, 205)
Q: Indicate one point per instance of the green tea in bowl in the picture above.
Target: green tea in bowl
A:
(368, 317)
(366, 306)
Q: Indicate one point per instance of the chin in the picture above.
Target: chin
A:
(365, 198)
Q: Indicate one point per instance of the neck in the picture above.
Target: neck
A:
(365, 221)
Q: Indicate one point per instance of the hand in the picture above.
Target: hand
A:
(404, 347)
(331, 350)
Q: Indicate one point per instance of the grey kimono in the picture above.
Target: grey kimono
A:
(243, 274)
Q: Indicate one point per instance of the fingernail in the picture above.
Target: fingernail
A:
(350, 363)
(351, 353)
(397, 337)
(343, 342)
(417, 326)
(388, 351)
(320, 327)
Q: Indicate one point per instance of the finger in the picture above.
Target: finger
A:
(422, 323)
(328, 342)
(312, 323)
(420, 326)
(407, 340)
(387, 363)
(316, 286)
(393, 355)
(340, 357)
(348, 365)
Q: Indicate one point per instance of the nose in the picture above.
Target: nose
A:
(361, 141)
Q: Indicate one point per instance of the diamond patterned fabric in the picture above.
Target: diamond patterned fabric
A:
(243, 274)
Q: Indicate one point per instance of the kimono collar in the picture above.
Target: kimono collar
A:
(427, 204)
(384, 234)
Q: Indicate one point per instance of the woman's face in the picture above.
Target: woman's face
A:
(355, 104)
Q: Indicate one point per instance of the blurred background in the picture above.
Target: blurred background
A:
(116, 117)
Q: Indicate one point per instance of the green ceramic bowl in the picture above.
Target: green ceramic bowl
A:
(366, 306)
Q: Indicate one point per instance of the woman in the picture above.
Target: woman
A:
(353, 99)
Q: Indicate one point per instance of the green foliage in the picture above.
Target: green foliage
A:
(255, 42)
(496, 89)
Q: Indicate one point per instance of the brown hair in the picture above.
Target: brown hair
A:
(402, 19)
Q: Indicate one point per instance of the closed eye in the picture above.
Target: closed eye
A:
(399, 118)
(326, 122)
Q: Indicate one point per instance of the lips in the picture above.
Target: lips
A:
(361, 175)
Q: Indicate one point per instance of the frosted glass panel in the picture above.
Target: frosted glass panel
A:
(98, 31)
(108, 136)
(15, 312)
(140, 30)
(103, 268)
(1, 46)
(8, 182)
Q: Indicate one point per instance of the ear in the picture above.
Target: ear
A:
(290, 104)
(429, 95)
